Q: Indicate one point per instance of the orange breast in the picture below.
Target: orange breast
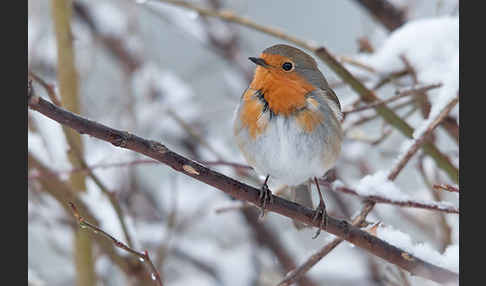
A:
(284, 91)
(251, 112)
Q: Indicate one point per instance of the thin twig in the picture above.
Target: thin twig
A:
(264, 236)
(63, 193)
(406, 203)
(78, 157)
(446, 187)
(241, 191)
(89, 169)
(365, 119)
(420, 141)
(193, 133)
(143, 256)
(48, 87)
(297, 273)
(357, 63)
(400, 94)
(391, 77)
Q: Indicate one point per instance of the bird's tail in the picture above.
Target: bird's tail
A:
(302, 195)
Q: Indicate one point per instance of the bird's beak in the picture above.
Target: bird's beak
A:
(259, 61)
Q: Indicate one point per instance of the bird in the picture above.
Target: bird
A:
(287, 123)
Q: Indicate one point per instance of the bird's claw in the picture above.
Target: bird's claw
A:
(264, 197)
(320, 212)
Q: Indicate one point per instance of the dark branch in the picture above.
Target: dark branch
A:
(386, 13)
(242, 191)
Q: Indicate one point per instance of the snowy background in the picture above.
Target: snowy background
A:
(186, 76)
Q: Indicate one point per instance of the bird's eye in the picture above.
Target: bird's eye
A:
(287, 66)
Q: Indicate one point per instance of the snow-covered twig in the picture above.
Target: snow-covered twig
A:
(403, 203)
(421, 140)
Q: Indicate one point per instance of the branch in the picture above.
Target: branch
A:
(63, 194)
(400, 94)
(421, 141)
(113, 44)
(143, 256)
(322, 53)
(386, 13)
(76, 154)
(67, 76)
(266, 237)
(297, 273)
(406, 203)
(240, 190)
(446, 187)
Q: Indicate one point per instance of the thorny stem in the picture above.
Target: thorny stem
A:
(144, 256)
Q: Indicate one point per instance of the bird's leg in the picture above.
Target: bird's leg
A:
(320, 211)
(265, 196)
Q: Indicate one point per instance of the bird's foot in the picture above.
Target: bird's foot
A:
(321, 215)
(264, 197)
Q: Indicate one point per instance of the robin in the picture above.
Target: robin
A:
(287, 124)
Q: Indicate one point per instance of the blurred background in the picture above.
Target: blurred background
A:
(172, 75)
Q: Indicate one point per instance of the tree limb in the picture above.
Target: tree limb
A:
(241, 191)
(386, 13)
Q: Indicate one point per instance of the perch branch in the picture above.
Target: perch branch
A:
(240, 190)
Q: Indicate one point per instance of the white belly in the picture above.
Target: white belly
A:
(288, 154)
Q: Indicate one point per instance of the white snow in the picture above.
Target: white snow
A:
(378, 184)
(109, 18)
(431, 46)
(449, 259)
